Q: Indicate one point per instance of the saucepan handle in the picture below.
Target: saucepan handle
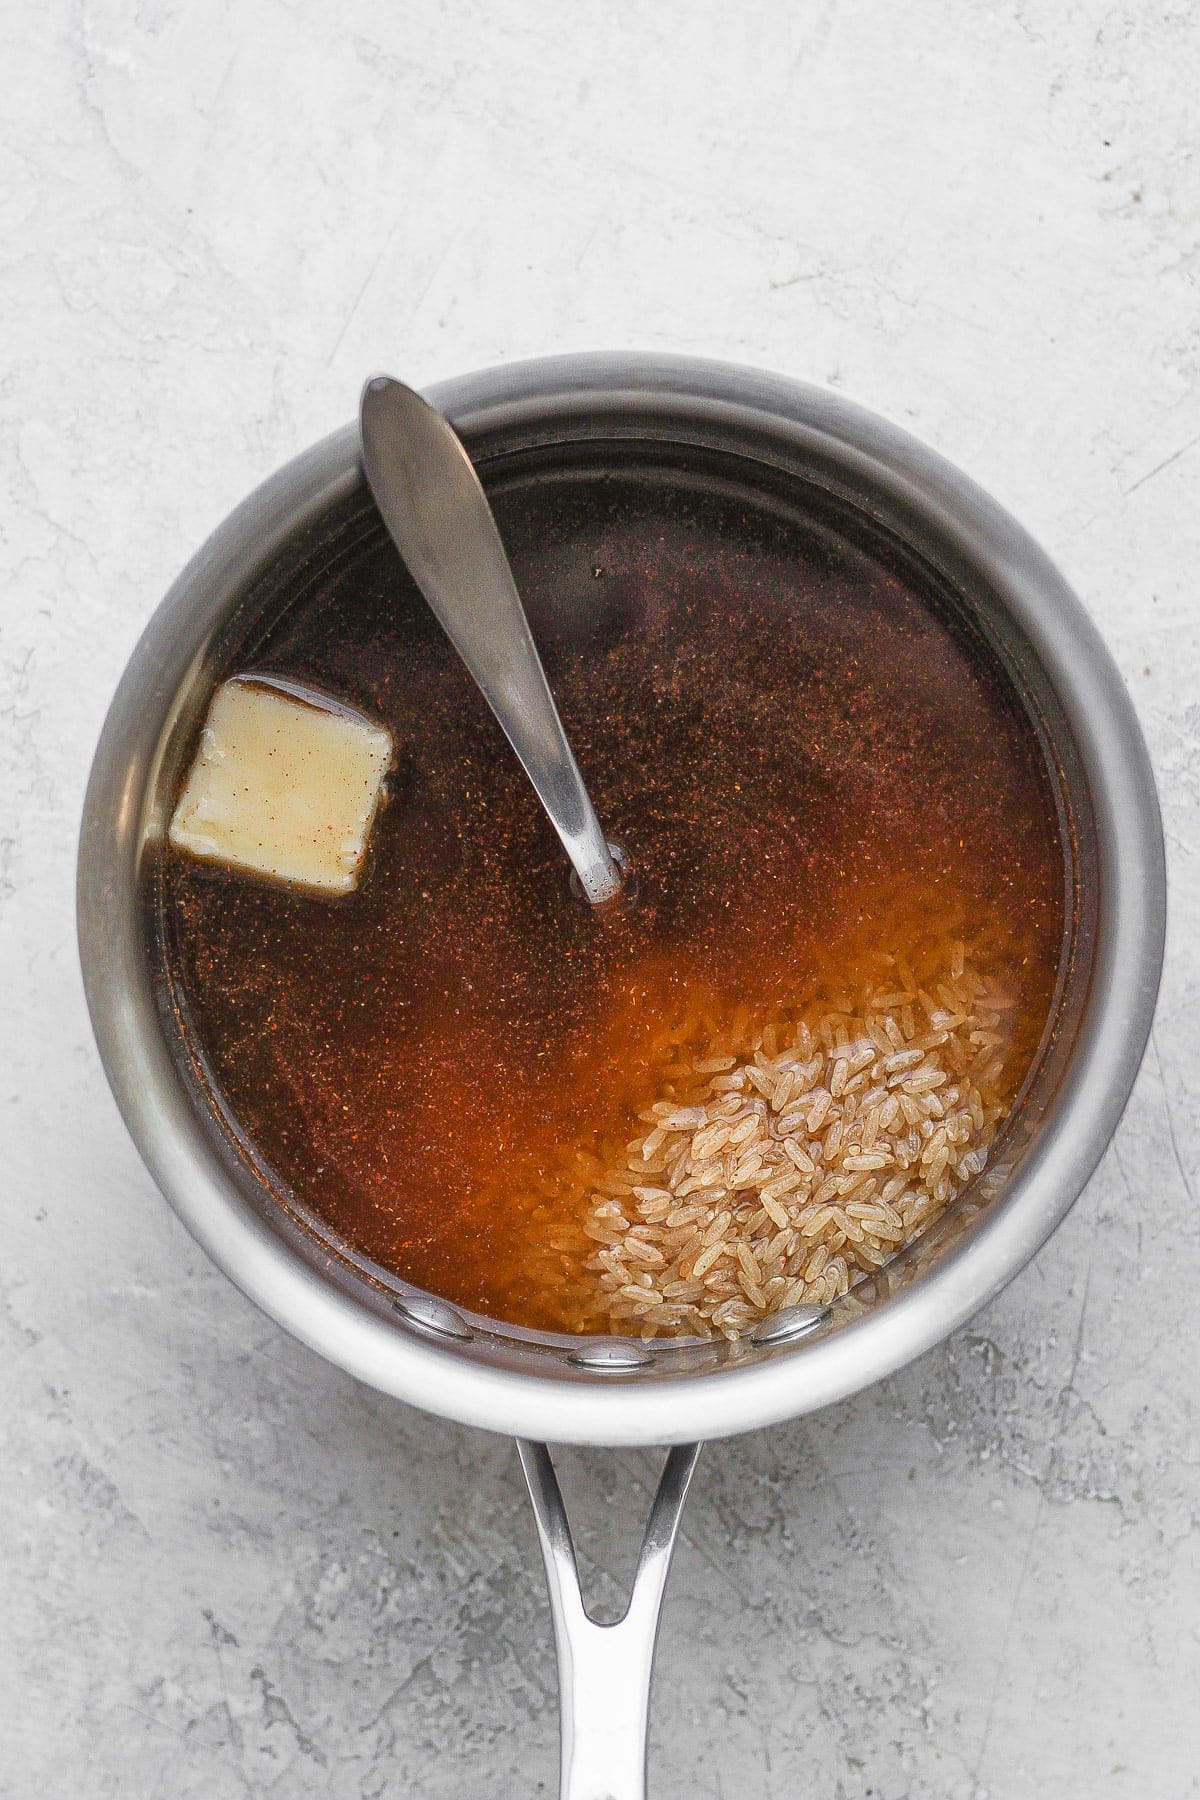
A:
(604, 1670)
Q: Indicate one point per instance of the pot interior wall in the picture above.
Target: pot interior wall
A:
(348, 539)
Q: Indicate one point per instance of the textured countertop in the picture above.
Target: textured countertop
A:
(231, 1572)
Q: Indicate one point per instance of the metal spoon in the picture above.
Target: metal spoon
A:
(432, 502)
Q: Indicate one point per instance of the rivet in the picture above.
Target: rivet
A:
(437, 1318)
(792, 1323)
(611, 1359)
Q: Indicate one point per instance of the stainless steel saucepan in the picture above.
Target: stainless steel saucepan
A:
(768, 435)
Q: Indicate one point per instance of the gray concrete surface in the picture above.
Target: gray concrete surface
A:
(228, 1571)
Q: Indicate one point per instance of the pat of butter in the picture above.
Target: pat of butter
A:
(285, 785)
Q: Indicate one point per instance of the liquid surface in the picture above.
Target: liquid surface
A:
(808, 763)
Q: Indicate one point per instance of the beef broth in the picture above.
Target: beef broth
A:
(809, 754)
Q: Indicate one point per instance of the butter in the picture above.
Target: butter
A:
(285, 785)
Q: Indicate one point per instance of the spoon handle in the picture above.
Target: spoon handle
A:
(432, 502)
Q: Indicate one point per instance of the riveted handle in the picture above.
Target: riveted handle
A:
(604, 1671)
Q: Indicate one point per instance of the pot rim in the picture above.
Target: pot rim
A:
(307, 1300)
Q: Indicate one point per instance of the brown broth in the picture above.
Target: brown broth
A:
(808, 757)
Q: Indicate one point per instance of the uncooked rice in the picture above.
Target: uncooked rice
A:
(787, 1160)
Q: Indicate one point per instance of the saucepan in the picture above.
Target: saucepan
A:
(769, 435)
